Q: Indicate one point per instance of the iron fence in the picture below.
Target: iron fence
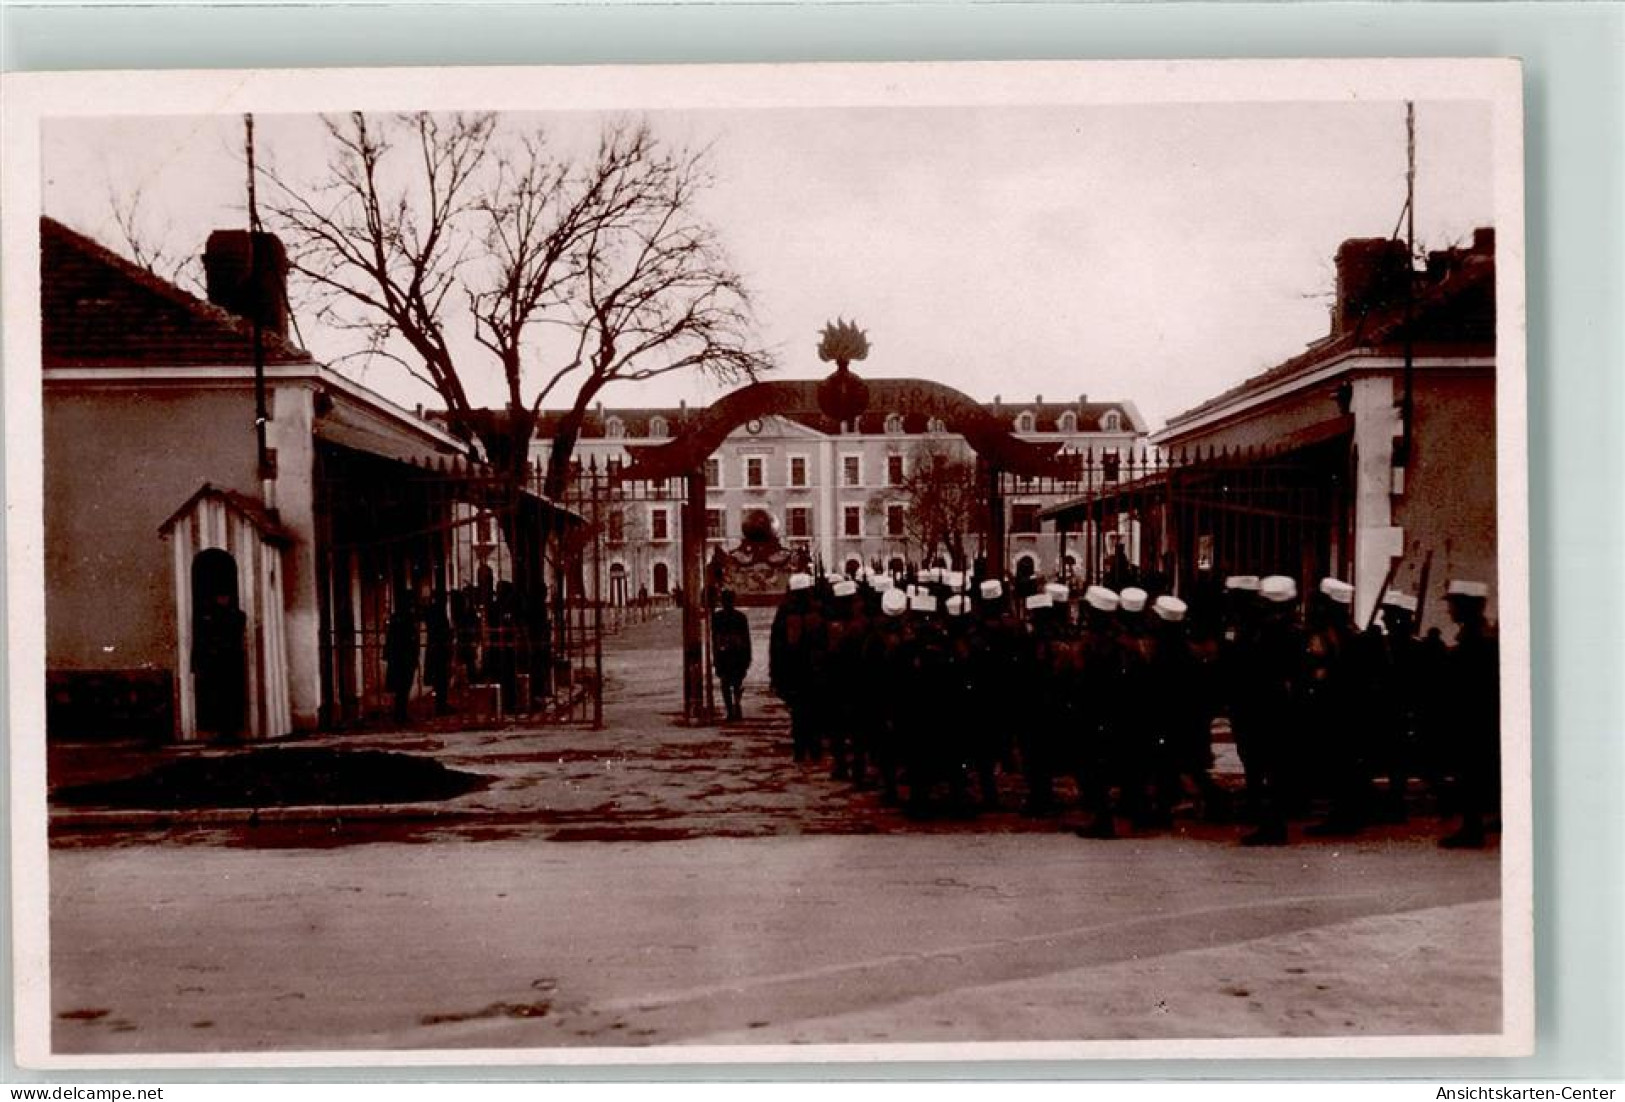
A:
(484, 568)
(1175, 520)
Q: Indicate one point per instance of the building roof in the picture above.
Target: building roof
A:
(256, 513)
(98, 309)
(884, 399)
(1454, 311)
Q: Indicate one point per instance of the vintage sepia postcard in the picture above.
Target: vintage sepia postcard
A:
(762, 563)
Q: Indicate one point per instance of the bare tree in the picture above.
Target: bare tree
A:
(428, 222)
(943, 500)
(148, 245)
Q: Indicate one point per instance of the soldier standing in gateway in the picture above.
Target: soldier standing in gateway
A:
(401, 653)
(437, 652)
(730, 653)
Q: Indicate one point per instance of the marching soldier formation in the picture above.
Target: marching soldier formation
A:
(930, 688)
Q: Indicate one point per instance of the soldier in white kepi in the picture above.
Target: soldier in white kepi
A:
(1336, 737)
(1472, 711)
(795, 650)
(1267, 708)
(1397, 734)
(1098, 759)
(1180, 714)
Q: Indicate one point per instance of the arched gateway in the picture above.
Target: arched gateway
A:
(840, 399)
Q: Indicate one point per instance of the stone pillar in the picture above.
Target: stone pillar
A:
(291, 435)
(995, 522)
(693, 570)
(825, 518)
(1376, 541)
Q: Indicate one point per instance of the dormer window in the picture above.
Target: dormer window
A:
(1112, 422)
(1069, 421)
(614, 428)
(894, 423)
(658, 428)
(936, 425)
(1024, 423)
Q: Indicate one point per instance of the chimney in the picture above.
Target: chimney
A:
(1484, 240)
(228, 262)
(1083, 400)
(1371, 275)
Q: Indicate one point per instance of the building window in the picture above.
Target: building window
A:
(755, 472)
(894, 520)
(799, 519)
(1069, 421)
(659, 526)
(894, 423)
(894, 470)
(1024, 423)
(715, 523)
(798, 470)
(1111, 422)
(713, 472)
(1024, 517)
(662, 579)
(852, 520)
(851, 470)
(617, 526)
(658, 428)
(936, 425)
(614, 428)
(483, 528)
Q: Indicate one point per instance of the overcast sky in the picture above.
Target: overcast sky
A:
(1153, 253)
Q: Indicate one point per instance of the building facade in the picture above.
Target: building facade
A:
(839, 493)
(157, 503)
(1380, 474)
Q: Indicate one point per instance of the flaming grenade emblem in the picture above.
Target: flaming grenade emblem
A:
(843, 396)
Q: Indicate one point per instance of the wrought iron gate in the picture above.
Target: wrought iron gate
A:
(1170, 521)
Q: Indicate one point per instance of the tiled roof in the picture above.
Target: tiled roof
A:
(636, 421)
(99, 310)
(1454, 311)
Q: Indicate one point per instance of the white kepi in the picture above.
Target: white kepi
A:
(1100, 598)
(1171, 609)
(1337, 590)
(1278, 589)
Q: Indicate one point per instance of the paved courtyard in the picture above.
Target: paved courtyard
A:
(656, 884)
